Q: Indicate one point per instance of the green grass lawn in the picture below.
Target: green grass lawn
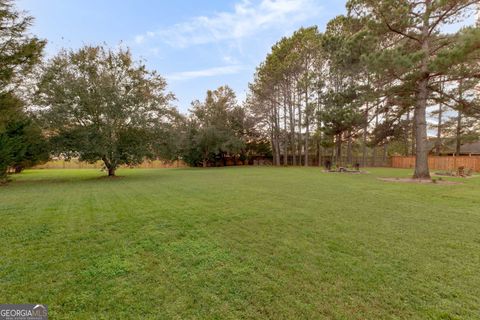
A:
(230, 243)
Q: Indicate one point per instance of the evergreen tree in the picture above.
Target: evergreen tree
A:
(417, 54)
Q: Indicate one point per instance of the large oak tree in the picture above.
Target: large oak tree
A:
(99, 104)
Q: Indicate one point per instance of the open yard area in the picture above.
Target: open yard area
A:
(230, 243)
(237, 159)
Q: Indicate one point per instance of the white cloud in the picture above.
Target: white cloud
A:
(229, 59)
(245, 20)
(211, 72)
(140, 39)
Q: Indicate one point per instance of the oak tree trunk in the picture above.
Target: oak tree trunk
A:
(111, 167)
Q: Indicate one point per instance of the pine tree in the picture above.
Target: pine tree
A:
(419, 53)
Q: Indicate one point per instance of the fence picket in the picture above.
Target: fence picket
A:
(451, 163)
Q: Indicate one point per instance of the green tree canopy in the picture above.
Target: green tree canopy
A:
(417, 55)
(21, 142)
(99, 104)
(216, 128)
(19, 51)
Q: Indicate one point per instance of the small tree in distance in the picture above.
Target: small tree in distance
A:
(216, 128)
(98, 104)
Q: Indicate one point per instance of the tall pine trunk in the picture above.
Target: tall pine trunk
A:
(319, 154)
(349, 149)
(299, 144)
(338, 153)
(374, 156)
(277, 134)
(458, 133)
(421, 154)
(278, 153)
(307, 130)
(365, 132)
(292, 127)
(285, 133)
(407, 134)
(412, 147)
(385, 154)
(438, 142)
(274, 146)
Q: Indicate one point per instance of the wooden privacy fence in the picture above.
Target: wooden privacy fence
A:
(450, 163)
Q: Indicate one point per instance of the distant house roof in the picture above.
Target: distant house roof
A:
(445, 146)
(448, 147)
(470, 148)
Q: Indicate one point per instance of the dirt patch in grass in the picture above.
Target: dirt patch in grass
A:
(420, 181)
(454, 176)
(346, 172)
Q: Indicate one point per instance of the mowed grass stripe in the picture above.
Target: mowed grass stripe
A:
(280, 243)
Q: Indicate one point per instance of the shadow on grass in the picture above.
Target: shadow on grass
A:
(31, 178)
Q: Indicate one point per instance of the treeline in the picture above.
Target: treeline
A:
(367, 83)
(99, 104)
